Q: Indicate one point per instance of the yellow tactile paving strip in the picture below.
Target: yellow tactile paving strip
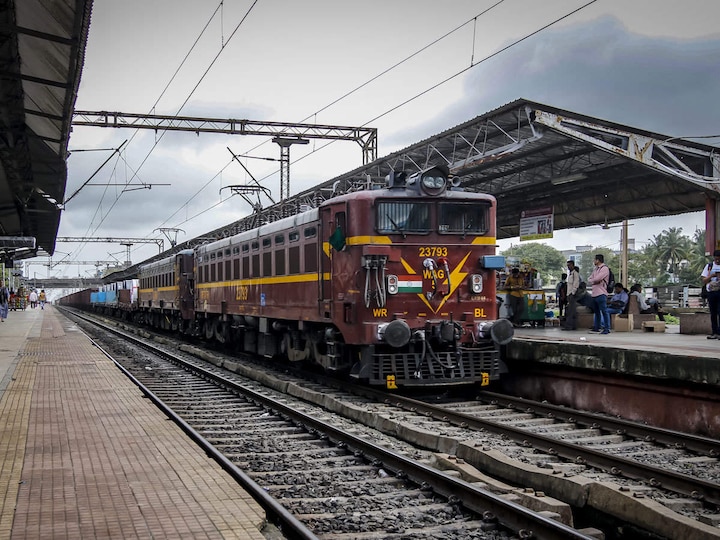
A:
(84, 455)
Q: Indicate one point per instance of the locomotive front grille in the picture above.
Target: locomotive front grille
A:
(476, 365)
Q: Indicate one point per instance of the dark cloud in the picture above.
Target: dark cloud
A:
(598, 69)
(601, 69)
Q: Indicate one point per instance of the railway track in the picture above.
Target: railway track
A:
(679, 472)
(331, 482)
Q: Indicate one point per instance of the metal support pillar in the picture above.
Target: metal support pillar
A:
(285, 144)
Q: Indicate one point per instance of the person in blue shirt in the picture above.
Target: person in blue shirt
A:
(618, 301)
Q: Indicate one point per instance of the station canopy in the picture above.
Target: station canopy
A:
(42, 54)
(529, 155)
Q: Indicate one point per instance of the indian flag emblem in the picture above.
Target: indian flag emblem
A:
(410, 284)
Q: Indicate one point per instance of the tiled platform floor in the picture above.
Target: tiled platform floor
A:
(84, 455)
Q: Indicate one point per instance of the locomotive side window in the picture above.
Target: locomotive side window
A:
(311, 254)
(279, 239)
(403, 217)
(294, 259)
(310, 232)
(246, 267)
(267, 263)
(228, 275)
(212, 272)
(266, 242)
(256, 266)
(293, 236)
(463, 218)
(236, 269)
(279, 262)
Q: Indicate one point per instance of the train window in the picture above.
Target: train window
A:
(212, 272)
(294, 260)
(255, 246)
(236, 250)
(220, 254)
(267, 263)
(266, 242)
(463, 218)
(200, 259)
(311, 254)
(255, 265)
(402, 217)
(279, 262)
(228, 275)
(245, 248)
(246, 267)
(227, 252)
(310, 232)
(212, 256)
(236, 269)
(293, 236)
(279, 239)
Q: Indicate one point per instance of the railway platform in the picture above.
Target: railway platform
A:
(663, 355)
(84, 455)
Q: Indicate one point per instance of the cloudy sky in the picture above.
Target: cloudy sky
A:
(652, 64)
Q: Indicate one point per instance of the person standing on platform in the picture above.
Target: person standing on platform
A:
(599, 279)
(561, 292)
(711, 281)
(573, 284)
(33, 299)
(42, 298)
(514, 283)
(4, 299)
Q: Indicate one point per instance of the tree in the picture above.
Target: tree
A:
(669, 249)
(547, 260)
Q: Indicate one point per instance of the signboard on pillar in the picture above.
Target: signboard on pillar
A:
(536, 223)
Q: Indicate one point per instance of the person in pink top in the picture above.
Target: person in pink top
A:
(599, 279)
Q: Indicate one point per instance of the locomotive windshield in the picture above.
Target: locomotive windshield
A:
(463, 218)
(403, 217)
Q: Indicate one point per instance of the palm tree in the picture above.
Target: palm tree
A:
(669, 248)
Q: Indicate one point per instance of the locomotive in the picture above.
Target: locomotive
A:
(394, 286)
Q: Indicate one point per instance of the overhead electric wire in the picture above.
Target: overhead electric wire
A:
(212, 63)
(433, 87)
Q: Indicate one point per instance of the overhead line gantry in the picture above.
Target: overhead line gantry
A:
(284, 133)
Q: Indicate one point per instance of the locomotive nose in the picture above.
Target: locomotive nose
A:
(396, 333)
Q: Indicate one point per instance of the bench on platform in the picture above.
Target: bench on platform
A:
(633, 308)
(695, 323)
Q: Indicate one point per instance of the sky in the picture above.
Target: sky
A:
(650, 64)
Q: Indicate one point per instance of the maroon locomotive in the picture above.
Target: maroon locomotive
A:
(395, 286)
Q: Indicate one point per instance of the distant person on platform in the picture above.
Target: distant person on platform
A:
(42, 298)
(515, 284)
(33, 299)
(618, 301)
(599, 279)
(561, 292)
(4, 299)
(647, 306)
(573, 287)
(711, 281)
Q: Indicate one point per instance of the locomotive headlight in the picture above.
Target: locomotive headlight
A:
(433, 182)
(392, 284)
(476, 283)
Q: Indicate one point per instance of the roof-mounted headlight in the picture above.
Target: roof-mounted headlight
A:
(433, 181)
